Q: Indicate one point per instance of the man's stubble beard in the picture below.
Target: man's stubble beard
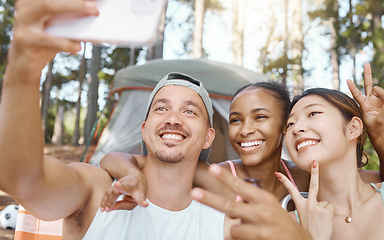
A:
(169, 157)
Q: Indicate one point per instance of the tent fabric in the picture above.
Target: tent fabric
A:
(218, 78)
(123, 131)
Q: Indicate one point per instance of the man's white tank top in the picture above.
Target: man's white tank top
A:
(196, 222)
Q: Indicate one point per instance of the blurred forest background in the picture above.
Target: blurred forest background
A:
(303, 43)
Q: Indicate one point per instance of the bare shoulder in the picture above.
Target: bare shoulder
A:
(202, 166)
(378, 185)
(237, 163)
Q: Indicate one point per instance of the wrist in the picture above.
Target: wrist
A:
(22, 72)
(375, 137)
(127, 171)
(26, 63)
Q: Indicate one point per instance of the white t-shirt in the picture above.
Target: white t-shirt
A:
(196, 222)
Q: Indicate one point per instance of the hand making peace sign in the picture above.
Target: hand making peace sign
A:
(372, 106)
(261, 213)
(315, 216)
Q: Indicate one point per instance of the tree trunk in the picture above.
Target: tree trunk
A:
(93, 94)
(353, 56)
(76, 134)
(264, 49)
(296, 35)
(131, 56)
(286, 36)
(198, 29)
(353, 43)
(335, 58)
(58, 131)
(378, 48)
(47, 86)
(237, 31)
(156, 51)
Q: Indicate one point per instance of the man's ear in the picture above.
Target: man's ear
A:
(355, 128)
(209, 138)
(143, 131)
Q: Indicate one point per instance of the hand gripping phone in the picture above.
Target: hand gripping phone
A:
(130, 23)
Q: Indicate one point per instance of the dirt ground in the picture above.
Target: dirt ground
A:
(66, 153)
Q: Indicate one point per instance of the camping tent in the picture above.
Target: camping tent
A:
(134, 84)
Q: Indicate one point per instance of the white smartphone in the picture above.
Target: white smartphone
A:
(129, 23)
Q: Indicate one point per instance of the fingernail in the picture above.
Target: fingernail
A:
(77, 47)
(215, 169)
(107, 209)
(278, 175)
(102, 209)
(196, 194)
(314, 165)
(92, 8)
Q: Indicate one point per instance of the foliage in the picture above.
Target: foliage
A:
(52, 113)
(114, 59)
(172, 21)
(368, 25)
(278, 66)
(362, 27)
(373, 159)
(6, 23)
(283, 51)
(69, 123)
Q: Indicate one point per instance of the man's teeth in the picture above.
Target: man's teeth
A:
(306, 143)
(251, 144)
(172, 136)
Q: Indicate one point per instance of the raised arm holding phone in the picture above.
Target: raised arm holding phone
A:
(176, 130)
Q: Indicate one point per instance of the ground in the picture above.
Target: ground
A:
(66, 153)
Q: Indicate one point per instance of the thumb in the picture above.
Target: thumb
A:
(140, 198)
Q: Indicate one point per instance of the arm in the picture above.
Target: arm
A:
(376, 129)
(372, 106)
(261, 214)
(121, 164)
(205, 180)
(132, 184)
(41, 184)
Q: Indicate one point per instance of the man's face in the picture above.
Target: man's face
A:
(177, 126)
